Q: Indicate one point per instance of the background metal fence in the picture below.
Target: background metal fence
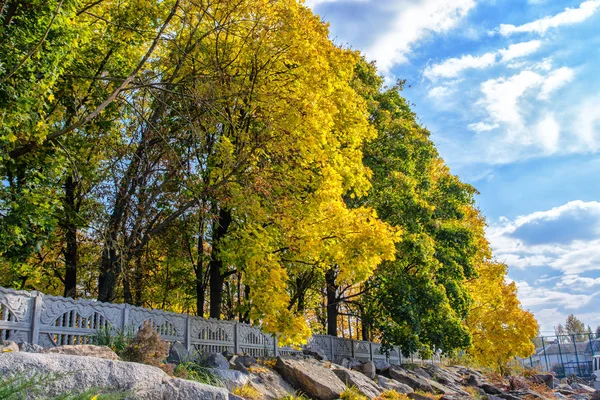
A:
(51, 321)
(565, 355)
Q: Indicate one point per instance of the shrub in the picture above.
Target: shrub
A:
(198, 373)
(147, 347)
(248, 392)
(352, 393)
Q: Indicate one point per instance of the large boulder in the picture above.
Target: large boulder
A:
(475, 380)
(381, 366)
(315, 352)
(408, 378)
(178, 353)
(80, 373)
(229, 378)
(369, 369)
(270, 384)
(362, 383)
(213, 360)
(311, 377)
(85, 350)
(390, 384)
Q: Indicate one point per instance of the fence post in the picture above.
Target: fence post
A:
(576, 355)
(352, 346)
(399, 356)
(591, 349)
(545, 355)
(332, 351)
(236, 338)
(562, 363)
(125, 317)
(35, 319)
(188, 333)
(371, 351)
(275, 346)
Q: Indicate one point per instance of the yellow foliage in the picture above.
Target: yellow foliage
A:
(501, 329)
(248, 392)
(392, 395)
(352, 393)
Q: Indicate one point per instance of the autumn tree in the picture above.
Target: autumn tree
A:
(500, 328)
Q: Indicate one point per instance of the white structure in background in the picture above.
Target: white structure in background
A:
(596, 372)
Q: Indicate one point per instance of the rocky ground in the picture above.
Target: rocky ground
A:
(310, 375)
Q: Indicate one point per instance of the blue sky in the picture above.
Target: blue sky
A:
(510, 90)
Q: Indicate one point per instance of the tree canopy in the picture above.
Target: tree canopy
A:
(228, 159)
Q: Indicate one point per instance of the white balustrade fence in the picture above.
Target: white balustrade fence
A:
(51, 321)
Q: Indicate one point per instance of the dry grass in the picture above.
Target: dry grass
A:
(268, 362)
(542, 389)
(296, 396)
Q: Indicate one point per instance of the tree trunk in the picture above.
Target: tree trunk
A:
(332, 302)
(199, 270)
(70, 228)
(217, 277)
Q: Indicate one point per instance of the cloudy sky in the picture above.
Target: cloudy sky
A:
(510, 90)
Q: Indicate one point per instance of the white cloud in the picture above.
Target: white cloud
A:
(452, 67)
(567, 17)
(482, 127)
(555, 80)
(548, 133)
(412, 23)
(578, 283)
(439, 91)
(564, 238)
(501, 96)
(587, 124)
(520, 50)
(538, 296)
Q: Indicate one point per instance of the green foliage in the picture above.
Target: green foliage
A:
(196, 372)
(117, 340)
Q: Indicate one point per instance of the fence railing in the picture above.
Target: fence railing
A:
(565, 355)
(49, 321)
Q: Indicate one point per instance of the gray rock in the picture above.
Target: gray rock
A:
(79, 373)
(408, 378)
(213, 360)
(547, 379)
(474, 380)
(178, 353)
(381, 366)
(315, 352)
(8, 346)
(231, 379)
(582, 387)
(417, 396)
(86, 350)
(311, 377)
(30, 347)
(362, 383)
(421, 372)
(245, 360)
(181, 389)
(508, 396)
(369, 369)
(390, 384)
(270, 384)
(350, 363)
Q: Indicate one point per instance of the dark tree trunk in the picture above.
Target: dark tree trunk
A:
(332, 302)
(70, 228)
(246, 316)
(199, 270)
(110, 269)
(365, 324)
(217, 276)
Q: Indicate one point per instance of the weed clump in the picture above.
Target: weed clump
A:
(352, 393)
(248, 392)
